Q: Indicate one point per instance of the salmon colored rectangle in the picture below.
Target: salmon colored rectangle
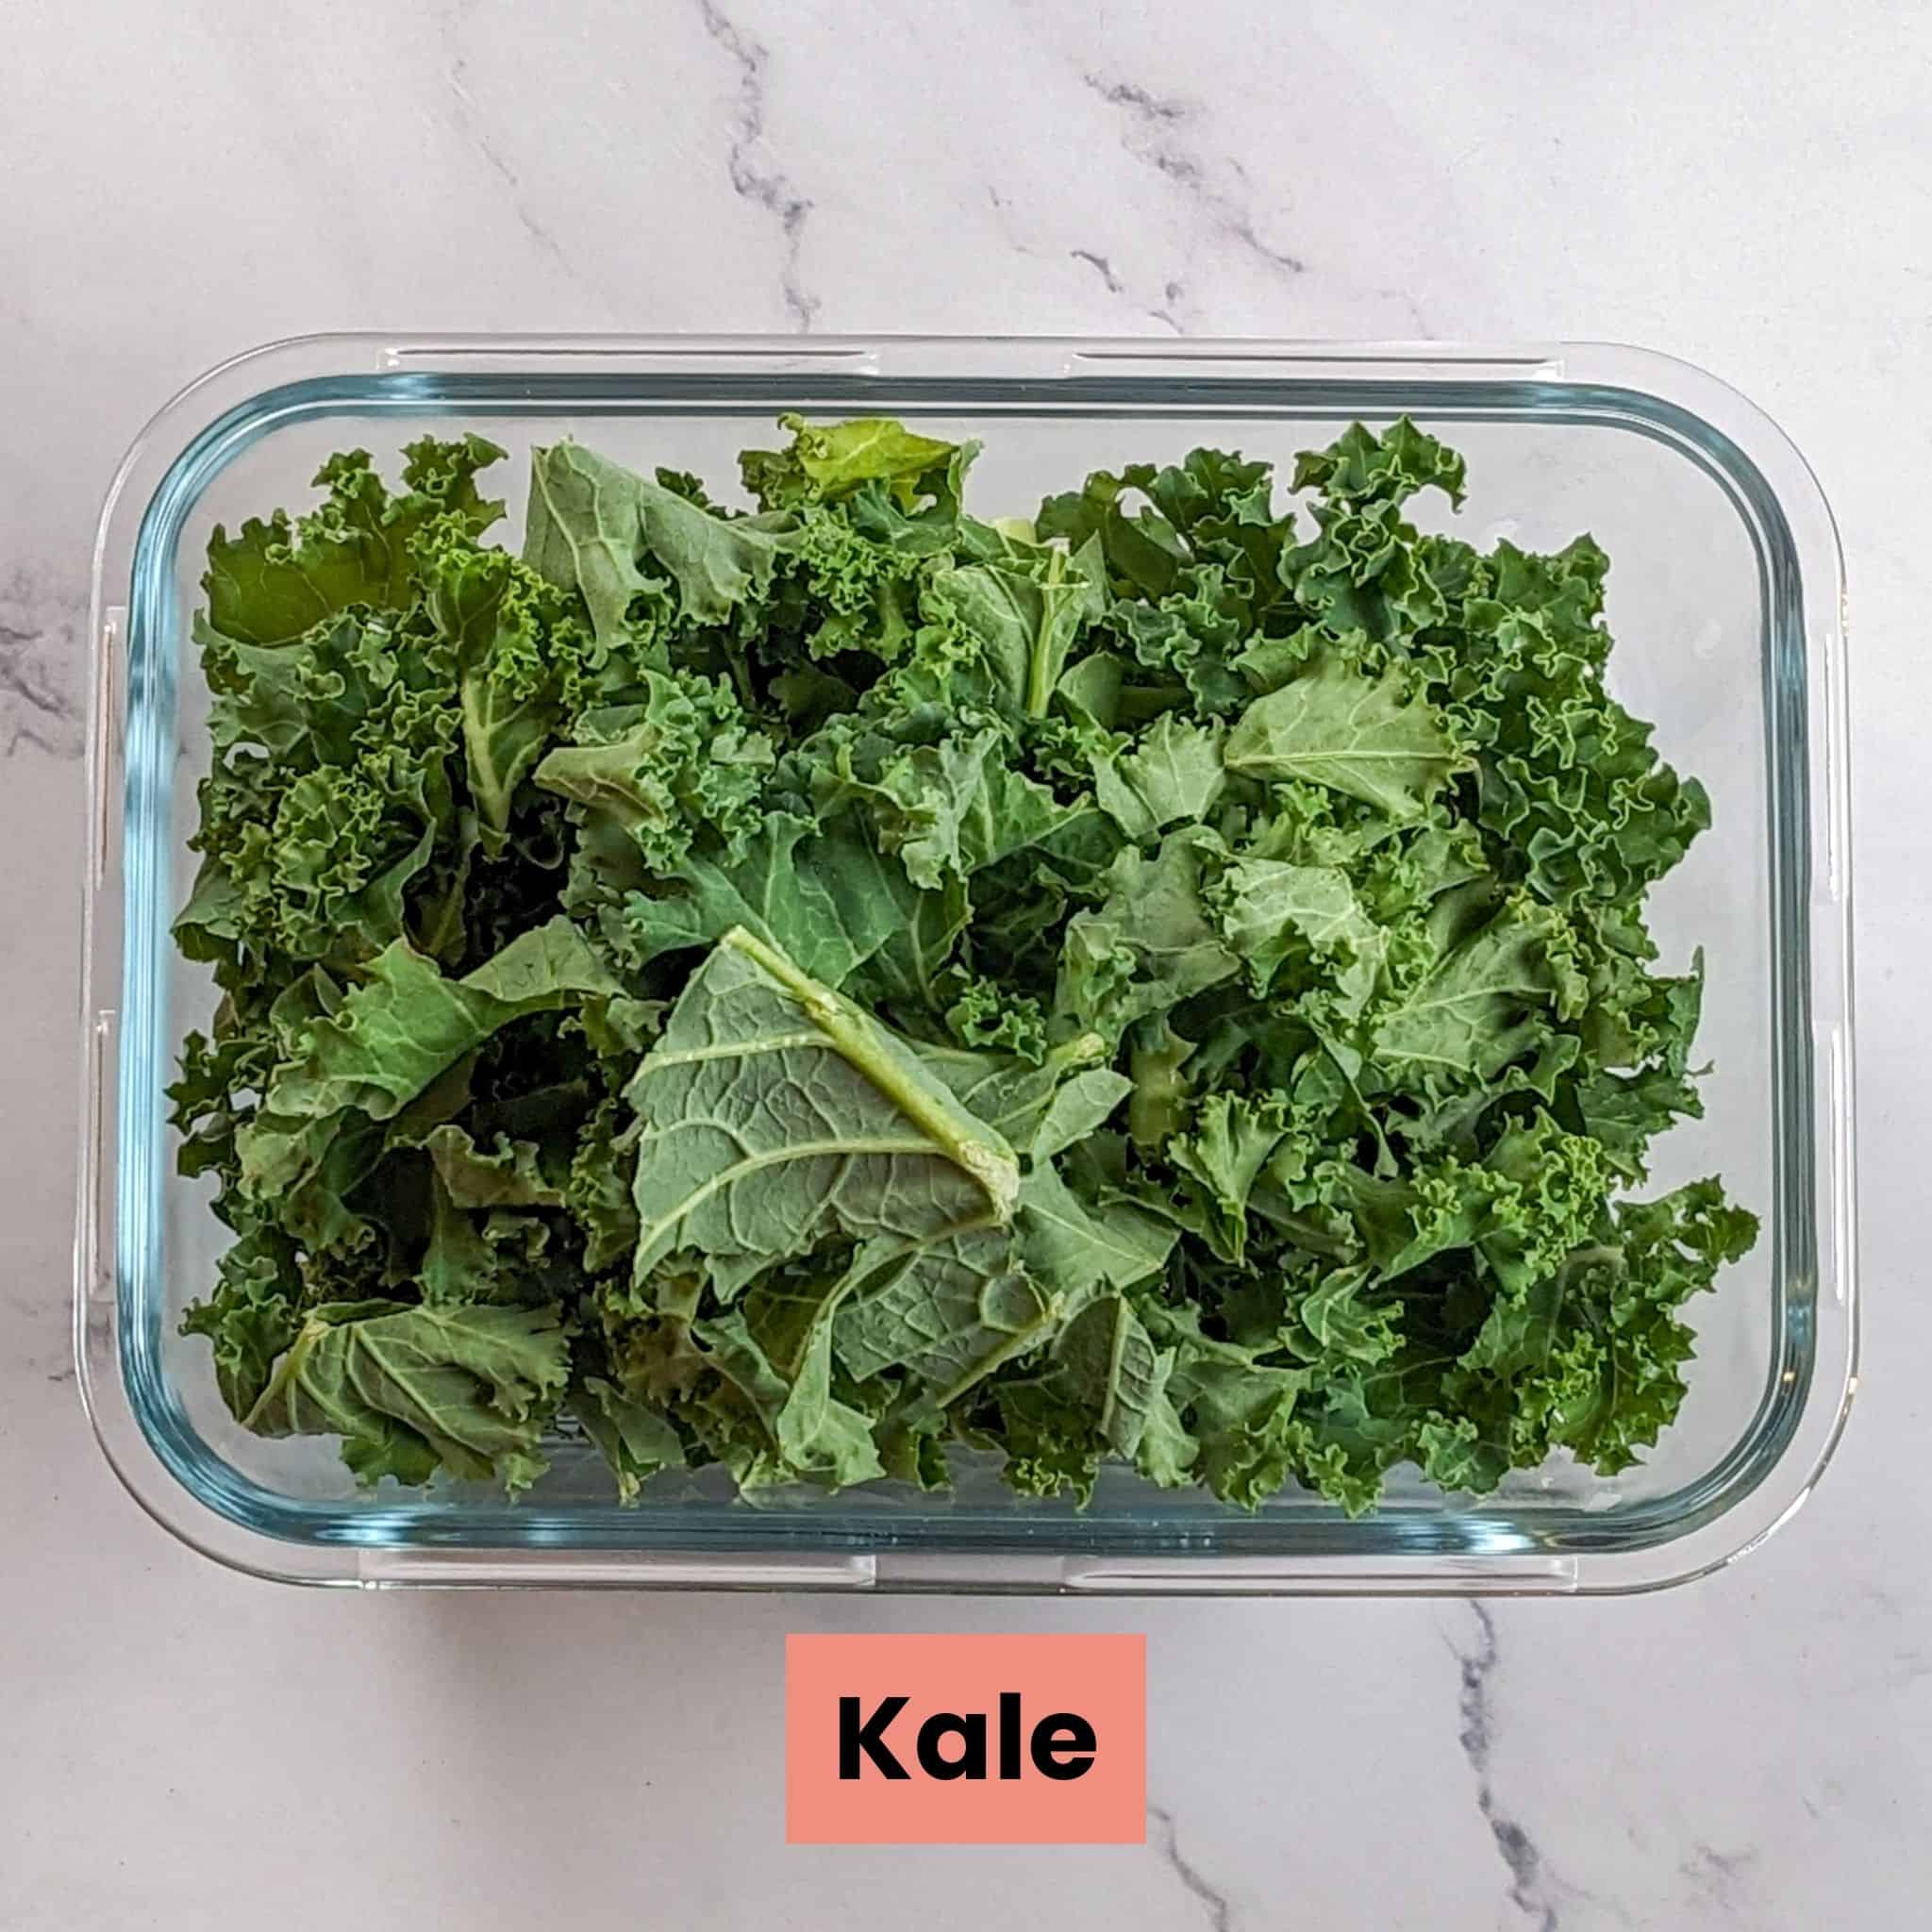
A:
(966, 1739)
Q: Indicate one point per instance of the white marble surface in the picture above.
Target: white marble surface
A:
(1749, 188)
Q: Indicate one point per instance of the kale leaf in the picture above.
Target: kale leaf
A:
(816, 987)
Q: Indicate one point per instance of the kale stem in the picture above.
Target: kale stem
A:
(1041, 668)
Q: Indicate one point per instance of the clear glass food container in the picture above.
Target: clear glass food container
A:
(1724, 596)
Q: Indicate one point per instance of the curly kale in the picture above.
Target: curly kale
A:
(810, 986)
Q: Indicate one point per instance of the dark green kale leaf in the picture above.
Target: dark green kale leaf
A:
(822, 987)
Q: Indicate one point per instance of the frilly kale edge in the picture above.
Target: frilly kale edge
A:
(806, 986)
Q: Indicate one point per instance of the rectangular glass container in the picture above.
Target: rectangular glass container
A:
(1725, 596)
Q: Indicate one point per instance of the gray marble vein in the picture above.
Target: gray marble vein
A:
(41, 621)
(1533, 1890)
(1162, 1837)
(1720, 1879)
(472, 123)
(755, 177)
(1101, 266)
(1163, 131)
(1412, 307)
(1016, 238)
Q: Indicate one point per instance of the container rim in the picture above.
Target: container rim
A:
(207, 424)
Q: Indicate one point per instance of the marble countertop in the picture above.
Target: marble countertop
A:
(186, 1748)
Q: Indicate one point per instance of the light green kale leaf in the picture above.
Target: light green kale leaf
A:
(1150, 944)
(683, 762)
(1271, 911)
(950, 809)
(633, 1435)
(1172, 774)
(1228, 1142)
(275, 581)
(827, 898)
(392, 1035)
(775, 1112)
(1041, 1107)
(411, 1389)
(1335, 726)
(779, 1358)
(1076, 1247)
(826, 462)
(491, 611)
(1106, 1363)
(949, 1311)
(611, 535)
(1486, 1002)
(1024, 617)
